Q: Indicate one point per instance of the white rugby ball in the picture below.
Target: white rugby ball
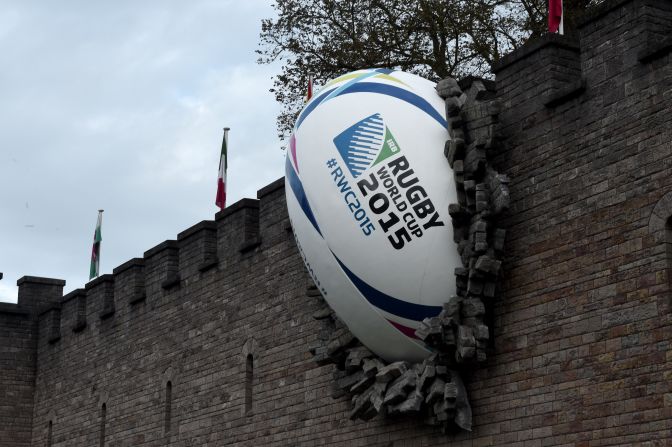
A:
(368, 189)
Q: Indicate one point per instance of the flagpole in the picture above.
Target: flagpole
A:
(226, 159)
(100, 213)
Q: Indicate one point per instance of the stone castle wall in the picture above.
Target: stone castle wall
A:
(204, 340)
(18, 355)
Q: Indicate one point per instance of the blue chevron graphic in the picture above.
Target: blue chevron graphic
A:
(360, 143)
(390, 304)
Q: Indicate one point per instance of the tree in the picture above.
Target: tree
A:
(431, 38)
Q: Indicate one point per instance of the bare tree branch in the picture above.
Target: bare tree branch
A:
(431, 38)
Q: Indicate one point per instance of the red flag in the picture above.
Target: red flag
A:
(555, 16)
(220, 200)
(310, 88)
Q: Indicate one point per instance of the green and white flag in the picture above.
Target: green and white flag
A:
(95, 250)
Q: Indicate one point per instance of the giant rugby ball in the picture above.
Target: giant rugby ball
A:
(368, 189)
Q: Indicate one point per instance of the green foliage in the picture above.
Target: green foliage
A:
(432, 38)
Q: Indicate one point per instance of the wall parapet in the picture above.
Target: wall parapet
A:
(535, 45)
(560, 68)
(235, 232)
(13, 309)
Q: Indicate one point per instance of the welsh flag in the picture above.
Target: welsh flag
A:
(95, 250)
(220, 200)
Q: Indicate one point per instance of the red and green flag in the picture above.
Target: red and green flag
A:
(220, 200)
(94, 270)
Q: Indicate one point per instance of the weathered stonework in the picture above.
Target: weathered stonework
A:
(428, 390)
(460, 332)
(580, 352)
(459, 336)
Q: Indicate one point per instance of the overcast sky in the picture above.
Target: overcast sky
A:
(120, 105)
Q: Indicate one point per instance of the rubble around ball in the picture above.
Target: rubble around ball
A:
(459, 335)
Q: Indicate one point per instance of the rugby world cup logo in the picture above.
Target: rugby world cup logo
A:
(365, 144)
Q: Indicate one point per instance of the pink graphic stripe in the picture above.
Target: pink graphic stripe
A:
(292, 149)
(407, 331)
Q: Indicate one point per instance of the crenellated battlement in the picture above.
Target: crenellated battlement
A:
(140, 292)
(616, 37)
(146, 302)
(549, 73)
(18, 354)
(236, 232)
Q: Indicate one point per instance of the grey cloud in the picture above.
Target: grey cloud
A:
(120, 105)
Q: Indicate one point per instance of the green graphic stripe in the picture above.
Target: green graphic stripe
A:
(390, 147)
